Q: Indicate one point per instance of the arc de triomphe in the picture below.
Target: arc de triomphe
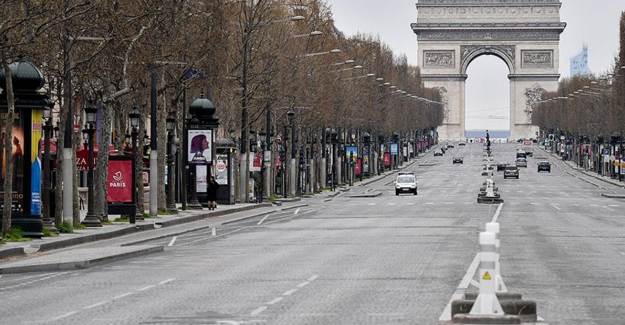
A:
(525, 34)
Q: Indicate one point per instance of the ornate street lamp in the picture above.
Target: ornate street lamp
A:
(171, 131)
(48, 223)
(135, 118)
(91, 220)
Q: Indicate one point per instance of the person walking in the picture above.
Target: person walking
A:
(212, 188)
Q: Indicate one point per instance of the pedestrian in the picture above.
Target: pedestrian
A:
(212, 193)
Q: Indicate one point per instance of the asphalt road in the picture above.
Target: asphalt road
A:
(382, 260)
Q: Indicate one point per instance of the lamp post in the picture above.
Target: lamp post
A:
(171, 129)
(263, 166)
(291, 160)
(194, 203)
(135, 119)
(91, 220)
(48, 223)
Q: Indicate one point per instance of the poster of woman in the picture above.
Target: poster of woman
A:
(200, 146)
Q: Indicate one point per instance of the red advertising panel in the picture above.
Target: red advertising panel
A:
(387, 159)
(358, 167)
(120, 181)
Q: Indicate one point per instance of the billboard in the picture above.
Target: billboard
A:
(199, 147)
(351, 151)
(119, 181)
(394, 149)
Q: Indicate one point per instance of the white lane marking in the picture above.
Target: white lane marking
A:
(303, 284)
(147, 288)
(371, 204)
(263, 220)
(275, 301)
(497, 212)
(462, 287)
(166, 281)
(613, 205)
(556, 207)
(429, 203)
(33, 281)
(607, 208)
(392, 204)
(123, 295)
(313, 278)
(258, 310)
(172, 241)
(289, 292)
(296, 211)
(97, 304)
(622, 253)
(63, 316)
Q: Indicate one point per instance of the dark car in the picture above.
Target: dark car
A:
(462, 144)
(450, 146)
(521, 154)
(511, 172)
(529, 153)
(544, 166)
(438, 153)
(458, 160)
(501, 166)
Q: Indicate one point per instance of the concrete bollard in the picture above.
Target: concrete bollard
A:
(493, 227)
(487, 302)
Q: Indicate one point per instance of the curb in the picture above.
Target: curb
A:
(198, 217)
(368, 195)
(182, 232)
(76, 265)
(91, 238)
(12, 252)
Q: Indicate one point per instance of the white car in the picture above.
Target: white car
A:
(406, 183)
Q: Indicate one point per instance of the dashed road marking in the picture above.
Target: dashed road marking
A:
(64, 316)
(372, 204)
(313, 278)
(147, 288)
(172, 241)
(34, 281)
(289, 292)
(263, 220)
(296, 211)
(622, 253)
(275, 301)
(97, 304)
(556, 207)
(123, 295)
(258, 310)
(166, 281)
(303, 284)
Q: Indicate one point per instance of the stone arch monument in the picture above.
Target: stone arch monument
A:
(525, 34)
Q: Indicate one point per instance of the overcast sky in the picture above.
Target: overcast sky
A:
(592, 22)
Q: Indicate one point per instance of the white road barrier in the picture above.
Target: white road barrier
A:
(487, 303)
(500, 285)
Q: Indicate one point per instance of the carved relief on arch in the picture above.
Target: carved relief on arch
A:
(469, 52)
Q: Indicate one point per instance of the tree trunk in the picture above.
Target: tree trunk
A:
(101, 170)
(60, 144)
(8, 149)
(162, 150)
(76, 143)
(139, 163)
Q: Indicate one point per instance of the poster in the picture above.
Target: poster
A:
(221, 169)
(199, 147)
(351, 151)
(201, 174)
(387, 159)
(365, 160)
(394, 149)
(119, 181)
(18, 172)
(35, 167)
(256, 161)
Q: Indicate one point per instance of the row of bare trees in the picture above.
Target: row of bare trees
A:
(587, 106)
(247, 56)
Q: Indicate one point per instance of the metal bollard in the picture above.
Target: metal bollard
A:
(487, 302)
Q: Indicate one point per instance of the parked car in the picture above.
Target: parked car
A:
(544, 166)
(458, 160)
(406, 183)
(521, 162)
(511, 172)
(501, 166)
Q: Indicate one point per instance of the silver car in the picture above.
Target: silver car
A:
(521, 162)
(406, 183)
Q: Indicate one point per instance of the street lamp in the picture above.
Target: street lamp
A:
(291, 161)
(135, 118)
(171, 131)
(47, 221)
(91, 220)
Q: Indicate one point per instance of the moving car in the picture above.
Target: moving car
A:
(501, 166)
(458, 160)
(521, 162)
(462, 144)
(406, 183)
(438, 153)
(521, 154)
(544, 166)
(511, 172)
(450, 146)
